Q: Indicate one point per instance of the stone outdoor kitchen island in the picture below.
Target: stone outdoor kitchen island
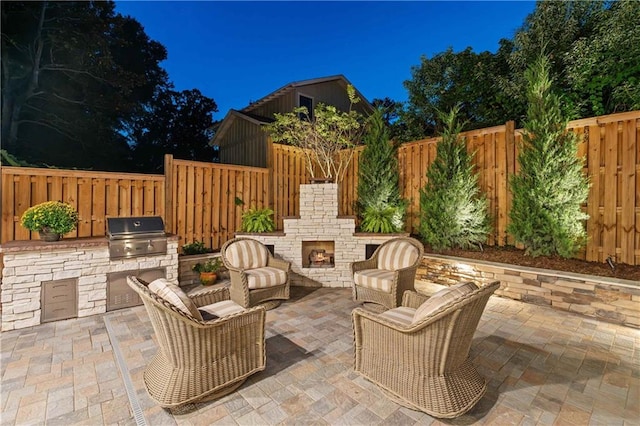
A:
(320, 244)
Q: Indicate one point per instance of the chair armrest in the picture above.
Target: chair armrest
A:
(364, 264)
(213, 295)
(360, 314)
(254, 314)
(413, 299)
(279, 264)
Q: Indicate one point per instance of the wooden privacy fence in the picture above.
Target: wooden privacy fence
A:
(96, 195)
(611, 148)
(204, 201)
(609, 144)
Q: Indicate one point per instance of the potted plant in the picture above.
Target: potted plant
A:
(258, 220)
(208, 270)
(50, 219)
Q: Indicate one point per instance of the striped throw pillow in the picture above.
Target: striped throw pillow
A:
(173, 294)
(396, 255)
(247, 254)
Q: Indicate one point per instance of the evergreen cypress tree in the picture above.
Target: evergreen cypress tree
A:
(379, 202)
(549, 189)
(453, 213)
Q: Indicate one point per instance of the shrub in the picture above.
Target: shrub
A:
(211, 265)
(50, 216)
(453, 213)
(196, 247)
(548, 192)
(383, 220)
(379, 202)
(258, 220)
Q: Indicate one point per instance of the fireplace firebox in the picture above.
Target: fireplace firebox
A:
(318, 254)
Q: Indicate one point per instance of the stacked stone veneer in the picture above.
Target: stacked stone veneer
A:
(187, 276)
(607, 299)
(319, 221)
(28, 264)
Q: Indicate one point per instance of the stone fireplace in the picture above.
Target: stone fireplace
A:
(320, 244)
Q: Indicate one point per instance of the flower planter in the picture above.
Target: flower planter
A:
(49, 236)
(208, 278)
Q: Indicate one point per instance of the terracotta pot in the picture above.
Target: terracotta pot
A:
(208, 278)
(49, 235)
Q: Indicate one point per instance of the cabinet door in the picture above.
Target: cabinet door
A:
(59, 300)
(120, 295)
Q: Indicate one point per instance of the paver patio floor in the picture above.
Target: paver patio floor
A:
(543, 367)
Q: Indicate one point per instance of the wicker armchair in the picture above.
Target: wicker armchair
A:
(388, 273)
(420, 357)
(197, 359)
(256, 276)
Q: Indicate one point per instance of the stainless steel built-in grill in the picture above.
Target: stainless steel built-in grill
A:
(136, 236)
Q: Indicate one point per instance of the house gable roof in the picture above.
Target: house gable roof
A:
(246, 112)
(297, 84)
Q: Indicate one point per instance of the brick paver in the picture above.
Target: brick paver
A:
(543, 367)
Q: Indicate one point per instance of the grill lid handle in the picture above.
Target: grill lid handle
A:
(134, 225)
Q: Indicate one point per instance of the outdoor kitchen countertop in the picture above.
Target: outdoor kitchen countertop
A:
(64, 243)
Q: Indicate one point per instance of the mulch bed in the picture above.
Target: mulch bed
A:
(516, 256)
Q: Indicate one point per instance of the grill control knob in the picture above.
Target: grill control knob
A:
(150, 245)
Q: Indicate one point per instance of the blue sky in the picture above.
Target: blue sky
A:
(237, 52)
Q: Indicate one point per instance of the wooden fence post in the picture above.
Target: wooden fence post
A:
(270, 177)
(168, 194)
(510, 143)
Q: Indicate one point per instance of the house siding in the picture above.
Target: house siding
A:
(329, 93)
(244, 144)
(282, 104)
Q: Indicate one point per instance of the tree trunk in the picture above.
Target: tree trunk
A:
(13, 99)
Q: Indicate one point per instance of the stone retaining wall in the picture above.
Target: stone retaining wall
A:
(607, 299)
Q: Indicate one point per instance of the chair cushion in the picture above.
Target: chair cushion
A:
(396, 255)
(247, 254)
(402, 315)
(265, 277)
(174, 295)
(442, 298)
(376, 279)
(220, 309)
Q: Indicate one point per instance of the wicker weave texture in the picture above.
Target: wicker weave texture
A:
(239, 288)
(425, 365)
(404, 279)
(199, 360)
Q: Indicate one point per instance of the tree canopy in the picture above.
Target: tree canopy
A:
(76, 79)
(593, 47)
(179, 123)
